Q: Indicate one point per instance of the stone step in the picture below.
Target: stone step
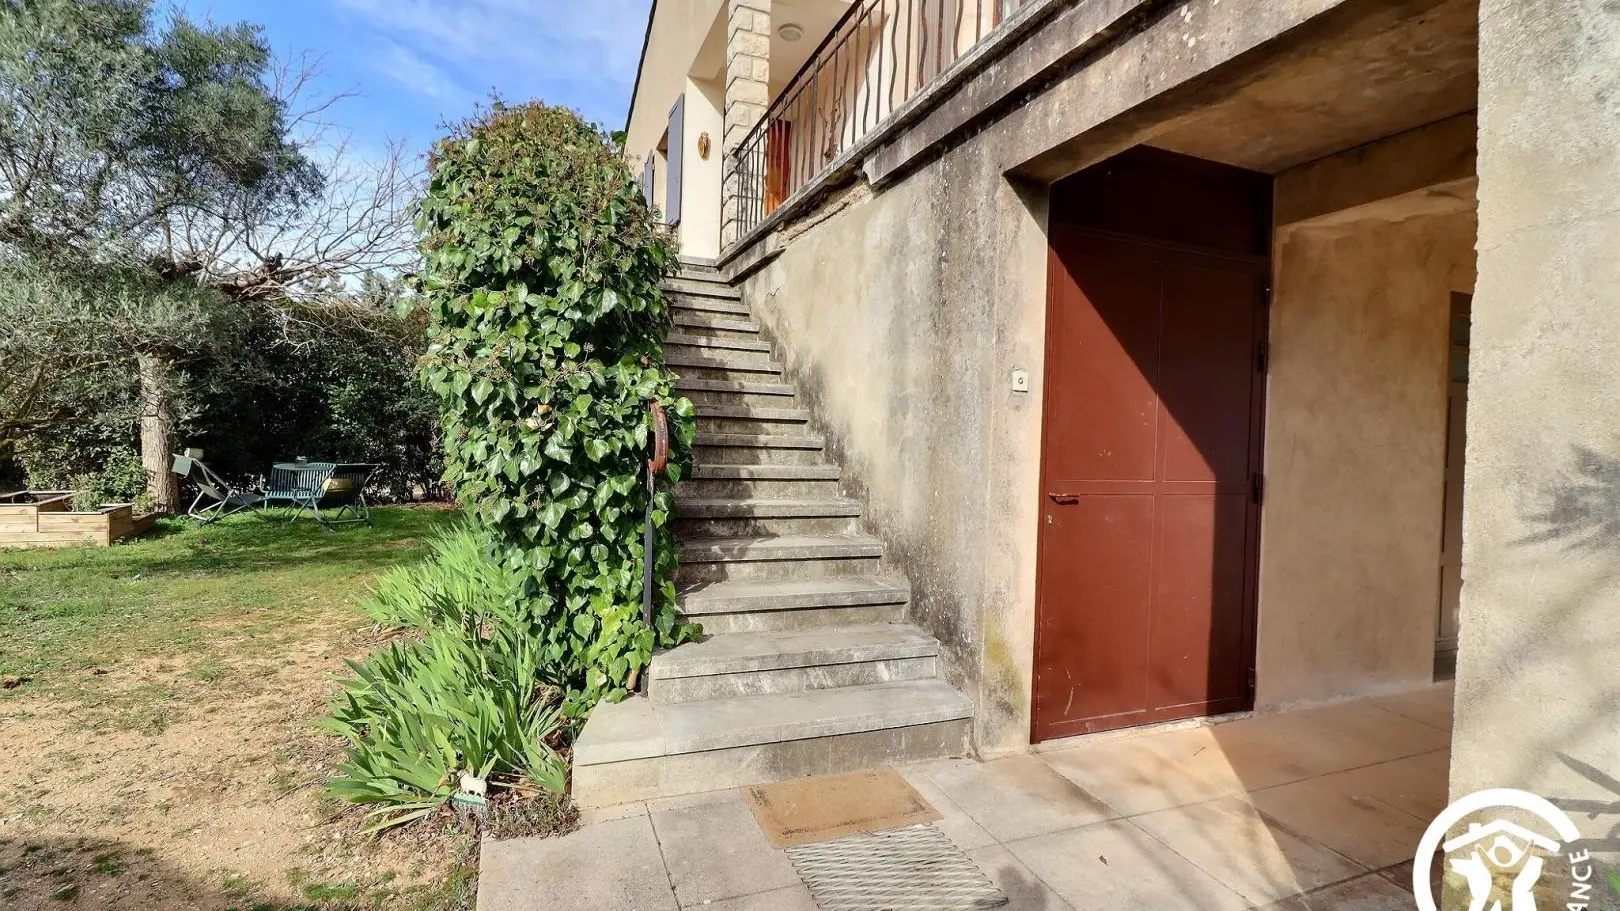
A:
(773, 595)
(701, 286)
(753, 664)
(760, 440)
(722, 365)
(713, 323)
(753, 414)
(638, 750)
(720, 517)
(764, 472)
(734, 387)
(699, 303)
(724, 343)
(776, 548)
(765, 508)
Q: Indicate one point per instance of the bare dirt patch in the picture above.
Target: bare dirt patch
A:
(195, 785)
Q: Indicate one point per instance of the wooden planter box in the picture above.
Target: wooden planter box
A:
(45, 518)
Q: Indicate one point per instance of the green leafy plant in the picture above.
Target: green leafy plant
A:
(541, 275)
(468, 695)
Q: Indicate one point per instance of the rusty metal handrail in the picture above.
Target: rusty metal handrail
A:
(655, 467)
(879, 55)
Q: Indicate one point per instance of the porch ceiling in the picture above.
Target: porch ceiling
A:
(1337, 89)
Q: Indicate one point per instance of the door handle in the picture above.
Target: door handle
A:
(1064, 497)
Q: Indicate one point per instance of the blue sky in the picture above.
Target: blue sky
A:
(416, 63)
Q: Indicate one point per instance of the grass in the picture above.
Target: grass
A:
(187, 590)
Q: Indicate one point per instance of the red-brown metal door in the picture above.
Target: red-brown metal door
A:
(1150, 486)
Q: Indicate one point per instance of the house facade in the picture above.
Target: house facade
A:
(1185, 358)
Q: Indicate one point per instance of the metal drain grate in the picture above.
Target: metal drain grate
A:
(911, 869)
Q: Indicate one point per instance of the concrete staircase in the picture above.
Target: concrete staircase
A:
(806, 667)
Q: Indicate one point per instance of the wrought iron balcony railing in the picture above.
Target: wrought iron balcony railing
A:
(879, 56)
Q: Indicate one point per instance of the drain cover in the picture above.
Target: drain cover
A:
(911, 869)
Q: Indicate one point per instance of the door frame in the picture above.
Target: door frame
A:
(1265, 274)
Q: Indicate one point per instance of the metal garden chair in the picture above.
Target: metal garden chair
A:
(326, 490)
(227, 500)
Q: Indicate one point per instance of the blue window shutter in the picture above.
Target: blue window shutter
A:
(647, 178)
(677, 147)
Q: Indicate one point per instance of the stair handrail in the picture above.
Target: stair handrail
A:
(655, 467)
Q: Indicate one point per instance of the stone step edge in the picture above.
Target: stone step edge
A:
(760, 440)
(828, 713)
(746, 597)
(752, 413)
(714, 363)
(776, 549)
(723, 343)
(765, 508)
(764, 471)
(777, 651)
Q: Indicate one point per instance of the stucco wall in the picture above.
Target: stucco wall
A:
(1355, 450)
(905, 312)
(1538, 671)
(700, 179)
(904, 329)
(679, 28)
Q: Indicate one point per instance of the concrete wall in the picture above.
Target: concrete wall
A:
(904, 311)
(904, 329)
(1538, 675)
(1355, 451)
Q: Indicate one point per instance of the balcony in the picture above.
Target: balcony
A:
(879, 56)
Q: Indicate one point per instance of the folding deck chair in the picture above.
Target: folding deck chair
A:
(227, 500)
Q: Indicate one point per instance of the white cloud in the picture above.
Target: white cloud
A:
(413, 71)
(587, 46)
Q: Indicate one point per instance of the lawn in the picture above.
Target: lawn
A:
(156, 735)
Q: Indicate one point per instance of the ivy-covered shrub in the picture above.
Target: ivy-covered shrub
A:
(541, 276)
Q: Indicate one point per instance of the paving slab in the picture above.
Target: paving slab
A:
(1016, 797)
(610, 866)
(1114, 865)
(715, 849)
(1248, 853)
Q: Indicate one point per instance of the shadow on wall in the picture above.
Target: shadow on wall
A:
(1577, 511)
(1582, 511)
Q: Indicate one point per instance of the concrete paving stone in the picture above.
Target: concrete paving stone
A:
(1378, 730)
(1251, 855)
(1024, 890)
(1316, 748)
(1234, 763)
(1016, 797)
(610, 866)
(1133, 778)
(1365, 893)
(590, 816)
(793, 898)
(953, 821)
(715, 849)
(1114, 865)
(1432, 705)
(1417, 785)
(1367, 831)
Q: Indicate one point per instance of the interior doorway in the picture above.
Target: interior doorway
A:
(1154, 398)
(1445, 643)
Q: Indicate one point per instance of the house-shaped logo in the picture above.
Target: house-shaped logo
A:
(1499, 856)
(1495, 848)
